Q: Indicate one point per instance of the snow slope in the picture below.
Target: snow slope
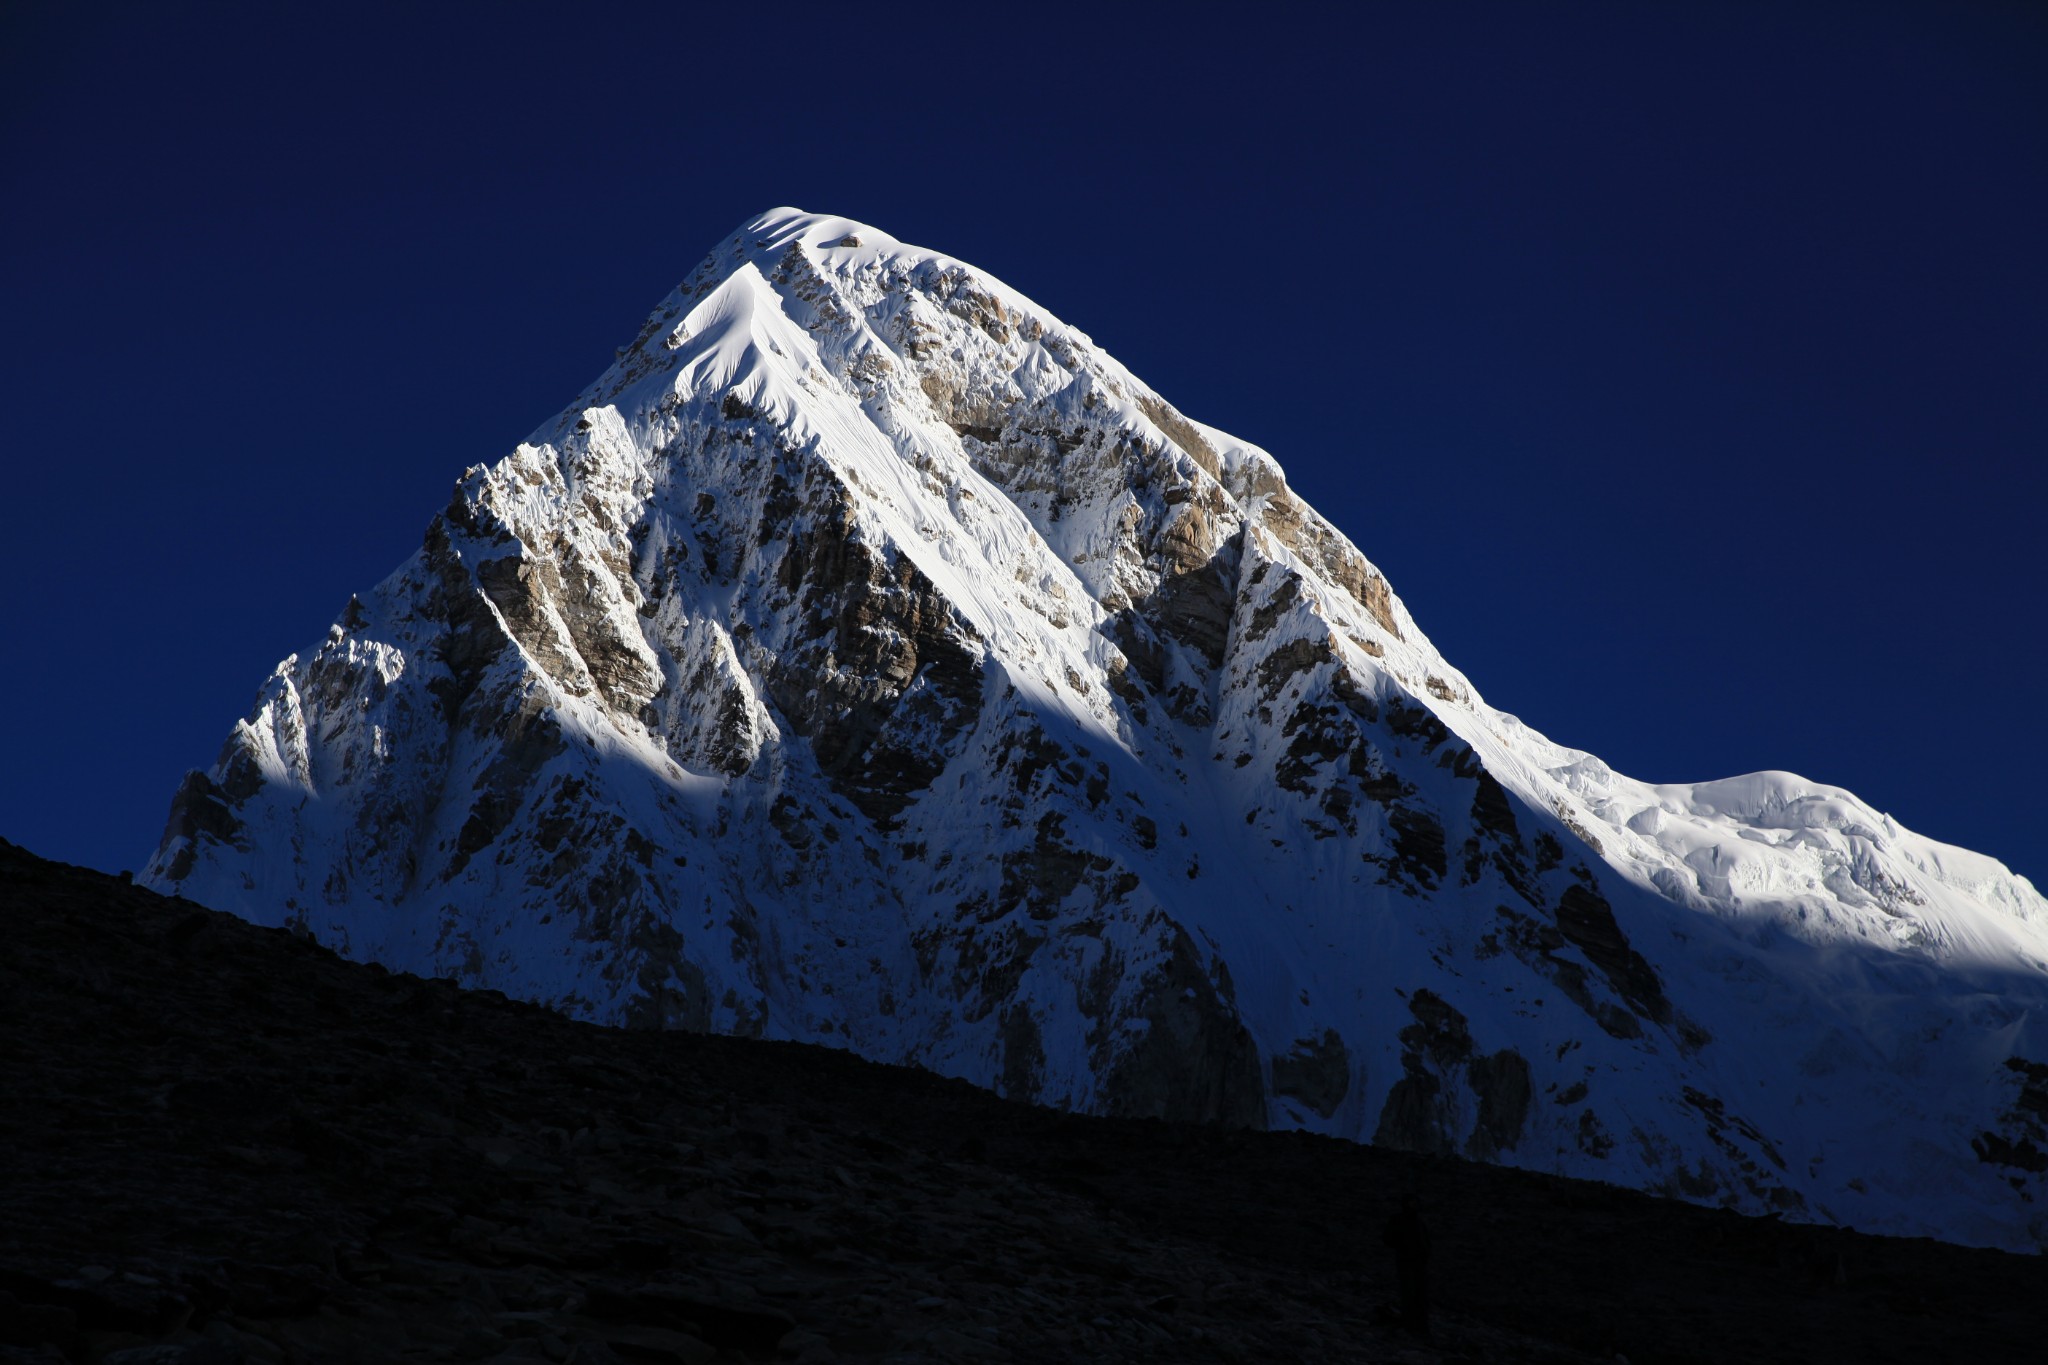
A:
(867, 658)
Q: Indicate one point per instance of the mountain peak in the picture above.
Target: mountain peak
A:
(868, 658)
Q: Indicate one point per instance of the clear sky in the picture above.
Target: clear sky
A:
(1685, 367)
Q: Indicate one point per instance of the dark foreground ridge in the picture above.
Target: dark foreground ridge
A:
(228, 1140)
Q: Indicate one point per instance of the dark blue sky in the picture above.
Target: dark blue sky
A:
(1684, 367)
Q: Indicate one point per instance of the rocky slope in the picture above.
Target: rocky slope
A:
(869, 659)
(228, 1147)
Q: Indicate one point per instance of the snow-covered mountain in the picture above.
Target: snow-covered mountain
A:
(867, 658)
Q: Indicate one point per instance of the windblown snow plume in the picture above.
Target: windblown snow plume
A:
(869, 659)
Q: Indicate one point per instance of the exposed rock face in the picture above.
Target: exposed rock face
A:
(1316, 1072)
(2020, 1140)
(1193, 1059)
(868, 658)
(1451, 1099)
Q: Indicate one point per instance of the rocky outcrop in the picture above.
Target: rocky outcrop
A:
(1431, 1109)
(1316, 1071)
(2020, 1141)
(1193, 1061)
(1587, 922)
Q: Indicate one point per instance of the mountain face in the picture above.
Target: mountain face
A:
(867, 658)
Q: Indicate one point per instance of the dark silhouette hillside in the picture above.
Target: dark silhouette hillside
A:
(222, 1143)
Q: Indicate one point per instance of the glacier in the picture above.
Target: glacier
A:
(867, 658)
